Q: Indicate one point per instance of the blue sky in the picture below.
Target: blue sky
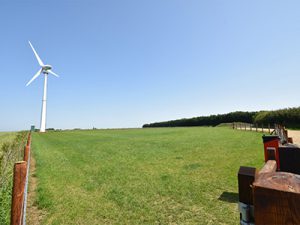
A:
(126, 63)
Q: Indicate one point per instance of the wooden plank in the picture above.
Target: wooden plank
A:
(269, 167)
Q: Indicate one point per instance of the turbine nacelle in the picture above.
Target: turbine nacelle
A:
(46, 67)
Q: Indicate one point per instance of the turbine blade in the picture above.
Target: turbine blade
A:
(34, 77)
(36, 55)
(50, 71)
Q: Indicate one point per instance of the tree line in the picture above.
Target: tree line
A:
(289, 117)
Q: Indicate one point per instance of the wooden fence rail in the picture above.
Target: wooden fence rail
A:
(20, 185)
(254, 127)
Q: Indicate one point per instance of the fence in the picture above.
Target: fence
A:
(276, 129)
(271, 195)
(254, 127)
(20, 186)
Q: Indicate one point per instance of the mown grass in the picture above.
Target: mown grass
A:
(143, 176)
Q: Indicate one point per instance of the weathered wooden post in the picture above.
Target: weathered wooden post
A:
(26, 153)
(256, 127)
(19, 180)
(28, 141)
(246, 177)
(276, 197)
(262, 127)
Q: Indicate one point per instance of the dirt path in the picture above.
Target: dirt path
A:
(295, 134)
(34, 215)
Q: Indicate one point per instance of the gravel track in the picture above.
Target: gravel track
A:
(295, 134)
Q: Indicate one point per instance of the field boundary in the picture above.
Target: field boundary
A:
(20, 187)
(275, 129)
(254, 127)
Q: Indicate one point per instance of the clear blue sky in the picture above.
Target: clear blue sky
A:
(126, 63)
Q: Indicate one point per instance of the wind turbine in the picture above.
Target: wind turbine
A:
(45, 69)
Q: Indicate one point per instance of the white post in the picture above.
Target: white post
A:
(44, 105)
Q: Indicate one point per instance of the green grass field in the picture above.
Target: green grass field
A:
(143, 176)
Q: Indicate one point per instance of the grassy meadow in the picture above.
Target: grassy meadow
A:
(143, 176)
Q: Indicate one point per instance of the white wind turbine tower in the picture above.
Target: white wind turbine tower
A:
(45, 69)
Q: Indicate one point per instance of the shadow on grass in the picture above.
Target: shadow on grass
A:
(230, 197)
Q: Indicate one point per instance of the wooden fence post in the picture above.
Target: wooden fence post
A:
(19, 180)
(28, 140)
(262, 127)
(250, 127)
(246, 176)
(282, 200)
(269, 128)
(26, 153)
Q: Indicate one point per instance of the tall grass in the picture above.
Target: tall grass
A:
(11, 146)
